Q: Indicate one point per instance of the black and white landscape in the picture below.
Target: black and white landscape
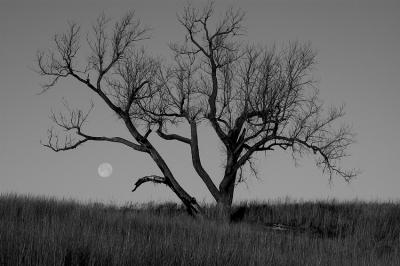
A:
(199, 133)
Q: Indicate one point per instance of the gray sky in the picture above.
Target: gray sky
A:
(358, 53)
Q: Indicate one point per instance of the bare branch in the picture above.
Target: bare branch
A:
(54, 144)
(108, 50)
(173, 137)
(72, 123)
(133, 81)
(150, 178)
(59, 63)
(217, 46)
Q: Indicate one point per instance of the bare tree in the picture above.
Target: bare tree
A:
(255, 99)
(121, 75)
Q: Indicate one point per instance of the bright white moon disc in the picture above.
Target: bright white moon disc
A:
(105, 170)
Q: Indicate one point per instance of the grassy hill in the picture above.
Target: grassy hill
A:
(46, 231)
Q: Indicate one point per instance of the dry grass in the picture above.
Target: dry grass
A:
(43, 231)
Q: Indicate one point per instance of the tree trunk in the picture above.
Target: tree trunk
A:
(225, 200)
(227, 187)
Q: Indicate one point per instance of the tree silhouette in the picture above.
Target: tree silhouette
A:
(256, 99)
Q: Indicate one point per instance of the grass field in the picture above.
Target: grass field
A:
(46, 231)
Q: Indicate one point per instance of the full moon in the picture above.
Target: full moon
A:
(105, 170)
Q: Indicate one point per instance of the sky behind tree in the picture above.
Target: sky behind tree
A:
(358, 64)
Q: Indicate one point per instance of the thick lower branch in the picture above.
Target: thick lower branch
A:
(150, 178)
(197, 163)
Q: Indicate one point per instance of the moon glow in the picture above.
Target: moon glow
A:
(105, 170)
